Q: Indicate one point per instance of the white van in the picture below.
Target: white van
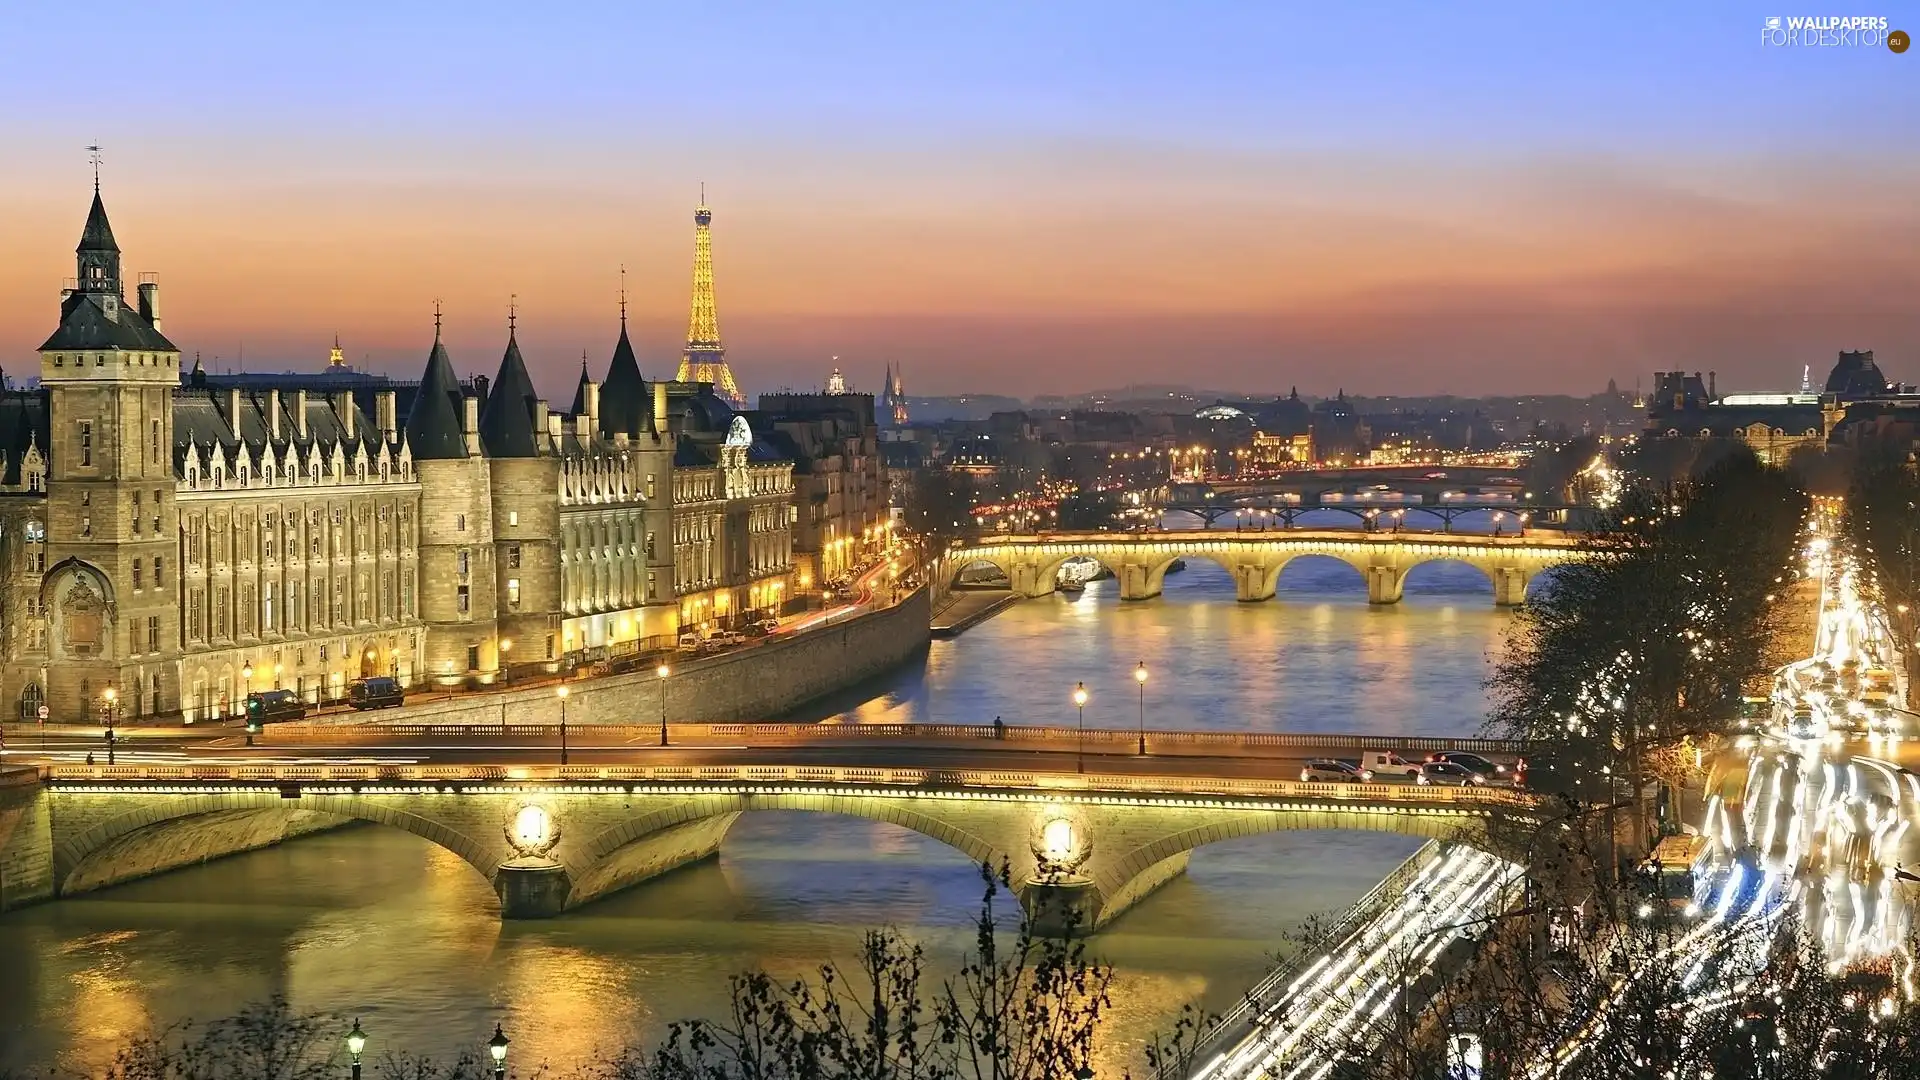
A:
(1382, 764)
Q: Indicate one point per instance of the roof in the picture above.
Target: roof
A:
(623, 397)
(202, 417)
(86, 323)
(24, 422)
(433, 423)
(506, 420)
(97, 234)
(580, 390)
(1856, 375)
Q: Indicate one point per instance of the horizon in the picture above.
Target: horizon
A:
(1009, 202)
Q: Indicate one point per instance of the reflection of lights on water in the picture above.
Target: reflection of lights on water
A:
(531, 826)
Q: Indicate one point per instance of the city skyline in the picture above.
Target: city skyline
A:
(1023, 202)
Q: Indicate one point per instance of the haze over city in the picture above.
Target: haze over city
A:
(1388, 199)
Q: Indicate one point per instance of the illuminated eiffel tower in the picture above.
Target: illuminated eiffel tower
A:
(706, 359)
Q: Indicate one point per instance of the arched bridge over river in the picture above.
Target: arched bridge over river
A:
(1081, 846)
(1140, 560)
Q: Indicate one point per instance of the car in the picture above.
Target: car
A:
(376, 693)
(1474, 763)
(272, 707)
(1386, 763)
(1447, 774)
(1327, 770)
(727, 639)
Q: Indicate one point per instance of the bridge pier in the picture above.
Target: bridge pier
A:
(1384, 584)
(1254, 582)
(1138, 581)
(532, 888)
(1510, 586)
(1027, 581)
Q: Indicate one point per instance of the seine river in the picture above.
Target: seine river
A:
(379, 924)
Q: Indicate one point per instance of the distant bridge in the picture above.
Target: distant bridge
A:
(1140, 560)
(1383, 515)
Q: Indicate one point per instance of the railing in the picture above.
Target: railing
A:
(827, 734)
(1092, 785)
(1230, 1025)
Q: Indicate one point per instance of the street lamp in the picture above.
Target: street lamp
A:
(107, 695)
(1080, 703)
(663, 671)
(356, 1042)
(562, 692)
(1140, 676)
(497, 1047)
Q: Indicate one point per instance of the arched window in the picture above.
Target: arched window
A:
(31, 698)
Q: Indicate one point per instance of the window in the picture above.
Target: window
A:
(158, 581)
(248, 611)
(220, 609)
(462, 603)
(513, 557)
(193, 617)
(513, 518)
(86, 526)
(549, 646)
(649, 487)
(266, 606)
(136, 575)
(153, 634)
(460, 522)
(513, 592)
(649, 545)
(339, 600)
(136, 513)
(86, 442)
(463, 562)
(153, 443)
(157, 506)
(293, 605)
(266, 539)
(473, 658)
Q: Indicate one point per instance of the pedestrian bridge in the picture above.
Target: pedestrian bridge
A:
(1082, 848)
(1140, 560)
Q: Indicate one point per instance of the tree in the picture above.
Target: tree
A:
(1882, 523)
(940, 505)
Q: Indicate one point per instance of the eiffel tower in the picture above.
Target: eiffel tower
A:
(706, 359)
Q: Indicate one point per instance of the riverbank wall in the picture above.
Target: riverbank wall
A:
(761, 682)
(965, 609)
(26, 840)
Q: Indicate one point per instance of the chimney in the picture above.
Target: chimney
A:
(233, 410)
(593, 405)
(389, 414)
(150, 300)
(343, 404)
(273, 409)
(555, 427)
(539, 417)
(583, 427)
(660, 407)
(300, 413)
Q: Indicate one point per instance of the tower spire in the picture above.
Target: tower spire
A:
(706, 358)
(513, 311)
(94, 150)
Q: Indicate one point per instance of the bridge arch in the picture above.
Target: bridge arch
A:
(1426, 568)
(968, 560)
(117, 845)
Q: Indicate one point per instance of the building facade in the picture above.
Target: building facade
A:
(170, 542)
(842, 498)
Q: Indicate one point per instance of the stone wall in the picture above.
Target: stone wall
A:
(761, 682)
(190, 841)
(26, 840)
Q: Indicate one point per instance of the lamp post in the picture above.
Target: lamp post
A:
(1080, 703)
(506, 647)
(562, 692)
(497, 1048)
(356, 1042)
(663, 671)
(1140, 676)
(107, 697)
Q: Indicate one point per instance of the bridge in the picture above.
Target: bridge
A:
(1426, 479)
(1384, 514)
(1140, 560)
(1085, 834)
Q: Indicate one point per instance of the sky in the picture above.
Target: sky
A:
(1017, 198)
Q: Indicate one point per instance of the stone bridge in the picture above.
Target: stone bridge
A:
(1140, 560)
(1081, 848)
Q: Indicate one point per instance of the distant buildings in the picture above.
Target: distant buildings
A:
(1775, 425)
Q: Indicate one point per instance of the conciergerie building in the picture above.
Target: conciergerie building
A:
(185, 537)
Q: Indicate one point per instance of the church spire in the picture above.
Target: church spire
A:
(706, 358)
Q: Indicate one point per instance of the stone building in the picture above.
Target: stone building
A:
(842, 500)
(184, 539)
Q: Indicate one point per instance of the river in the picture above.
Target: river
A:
(379, 924)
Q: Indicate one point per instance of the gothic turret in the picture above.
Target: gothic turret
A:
(624, 405)
(433, 423)
(509, 426)
(98, 257)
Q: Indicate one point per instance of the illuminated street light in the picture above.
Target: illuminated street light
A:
(356, 1042)
(497, 1048)
(107, 697)
(662, 672)
(561, 693)
(1140, 676)
(1080, 703)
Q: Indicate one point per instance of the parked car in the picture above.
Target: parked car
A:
(690, 642)
(1380, 764)
(727, 639)
(273, 707)
(376, 693)
(1447, 774)
(1326, 770)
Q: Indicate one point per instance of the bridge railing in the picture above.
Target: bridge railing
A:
(826, 734)
(939, 780)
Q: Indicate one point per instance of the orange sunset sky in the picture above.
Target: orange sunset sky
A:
(1002, 200)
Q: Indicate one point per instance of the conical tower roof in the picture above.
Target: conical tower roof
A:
(580, 388)
(506, 421)
(623, 397)
(97, 234)
(433, 424)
